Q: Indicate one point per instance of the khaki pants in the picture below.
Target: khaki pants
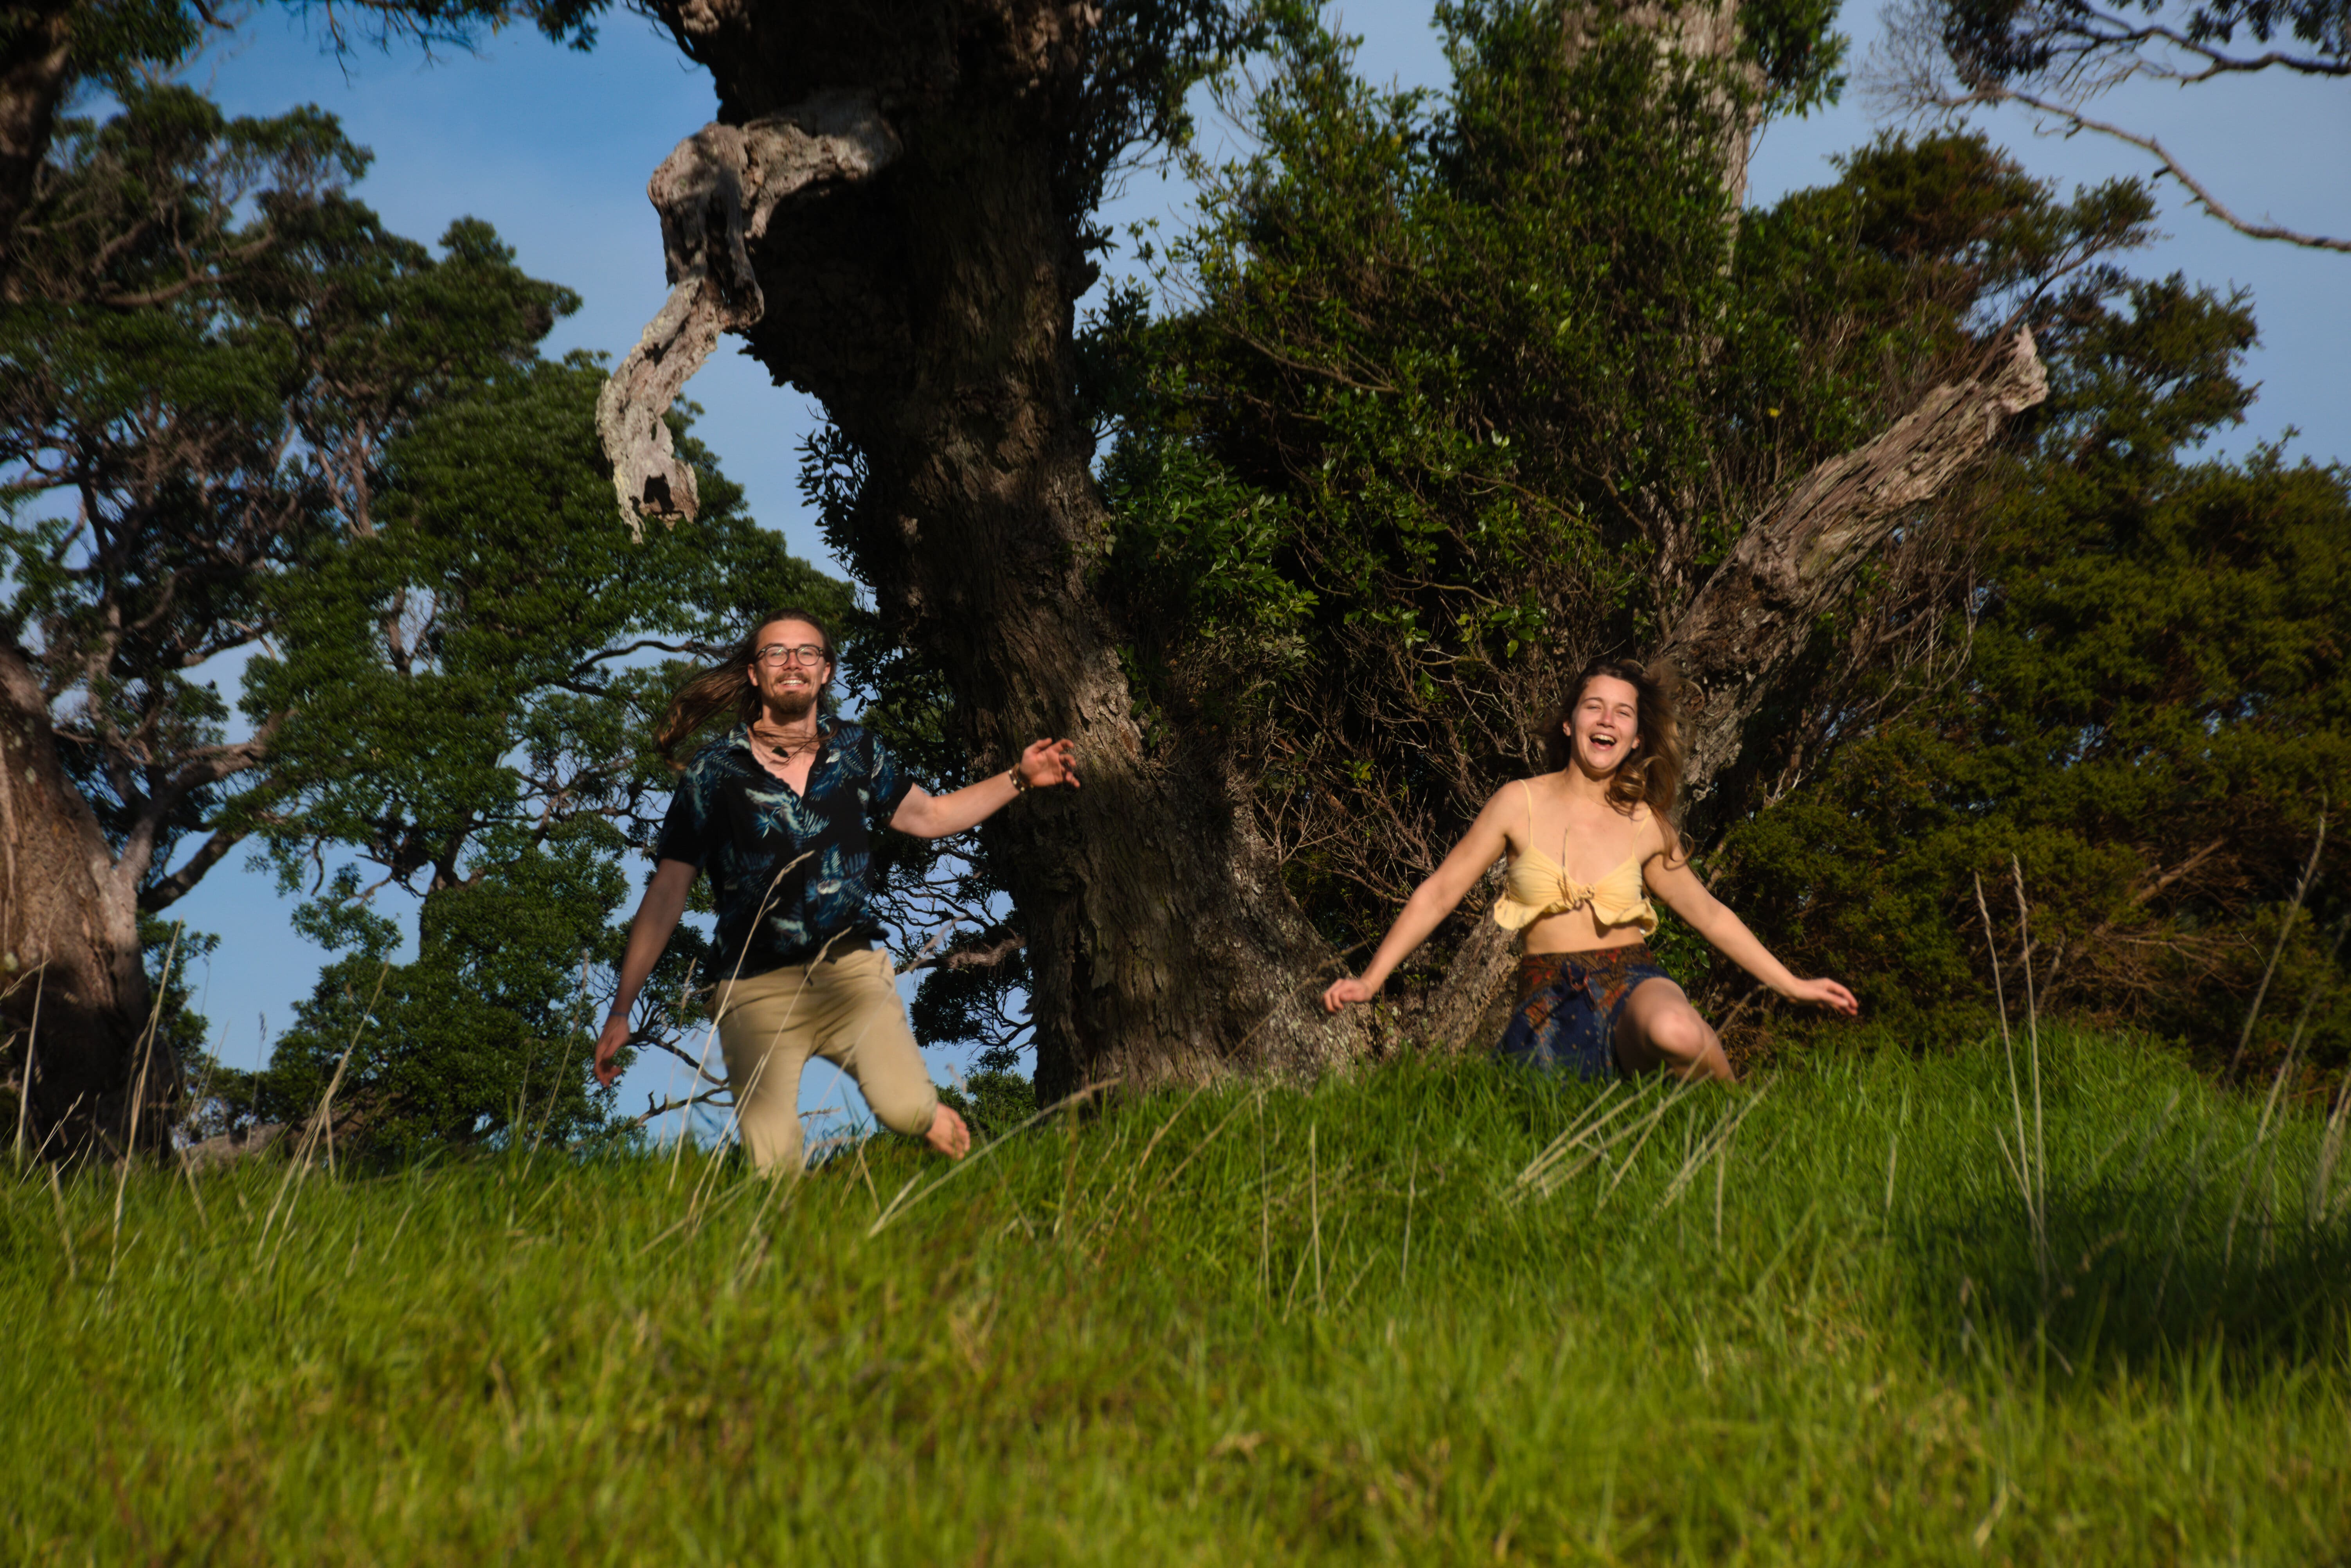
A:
(845, 1010)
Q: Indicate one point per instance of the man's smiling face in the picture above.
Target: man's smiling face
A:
(789, 688)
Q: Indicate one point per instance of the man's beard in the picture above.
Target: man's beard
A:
(789, 707)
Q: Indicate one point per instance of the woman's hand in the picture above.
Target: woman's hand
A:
(1828, 993)
(1342, 992)
(1047, 763)
(608, 1046)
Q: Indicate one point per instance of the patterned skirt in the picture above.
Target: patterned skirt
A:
(1567, 1006)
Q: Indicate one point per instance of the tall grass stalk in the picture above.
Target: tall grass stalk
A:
(139, 1095)
(24, 1079)
(2021, 1164)
(2278, 1085)
(321, 1116)
(2277, 949)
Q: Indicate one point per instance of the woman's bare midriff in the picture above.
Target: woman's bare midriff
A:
(1574, 930)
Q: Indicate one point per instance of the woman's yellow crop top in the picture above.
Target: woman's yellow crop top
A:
(1538, 886)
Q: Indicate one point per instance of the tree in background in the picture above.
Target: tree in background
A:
(2057, 58)
(469, 690)
(50, 49)
(213, 346)
(1457, 402)
(2151, 720)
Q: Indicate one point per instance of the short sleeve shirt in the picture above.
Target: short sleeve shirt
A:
(789, 871)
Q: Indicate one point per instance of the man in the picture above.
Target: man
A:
(778, 812)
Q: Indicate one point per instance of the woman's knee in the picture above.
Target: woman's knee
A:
(1681, 1034)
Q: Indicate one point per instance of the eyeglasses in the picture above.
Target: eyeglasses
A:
(780, 653)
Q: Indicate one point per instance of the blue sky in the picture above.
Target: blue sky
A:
(554, 148)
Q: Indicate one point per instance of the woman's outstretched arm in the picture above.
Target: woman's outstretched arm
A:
(1678, 888)
(1430, 903)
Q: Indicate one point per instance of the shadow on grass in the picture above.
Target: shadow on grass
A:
(2135, 1273)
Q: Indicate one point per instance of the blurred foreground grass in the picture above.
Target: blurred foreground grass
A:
(1827, 1317)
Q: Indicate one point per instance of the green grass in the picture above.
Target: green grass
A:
(1252, 1325)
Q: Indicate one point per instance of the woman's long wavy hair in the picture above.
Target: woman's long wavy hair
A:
(726, 686)
(1655, 772)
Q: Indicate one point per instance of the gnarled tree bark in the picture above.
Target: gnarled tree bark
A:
(69, 925)
(36, 63)
(715, 194)
(1757, 610)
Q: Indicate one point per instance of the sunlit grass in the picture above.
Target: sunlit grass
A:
(1807, 1320)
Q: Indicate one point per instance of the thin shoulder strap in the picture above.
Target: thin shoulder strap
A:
(1528, 790)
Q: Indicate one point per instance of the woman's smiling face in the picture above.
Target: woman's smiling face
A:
(1605, 727)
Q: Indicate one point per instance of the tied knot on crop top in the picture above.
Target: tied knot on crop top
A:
(1538, 886)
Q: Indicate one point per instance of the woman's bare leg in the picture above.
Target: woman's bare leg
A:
(1658, 1028)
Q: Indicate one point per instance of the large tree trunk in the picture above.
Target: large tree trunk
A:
(1703, 32)
(69, 947)
(884, 212)
(35, 62)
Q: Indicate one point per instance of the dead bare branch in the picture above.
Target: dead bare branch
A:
(715, 193)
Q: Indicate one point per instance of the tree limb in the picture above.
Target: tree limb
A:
(982, 953)
(1757, 612)
(167, 891)
(2204, 197)
(715, 193)
(34, 67)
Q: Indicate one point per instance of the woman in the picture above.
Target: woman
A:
(779, 811)
(1588, 842)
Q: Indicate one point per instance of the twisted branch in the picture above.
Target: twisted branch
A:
(715, 193)
(1757, 611)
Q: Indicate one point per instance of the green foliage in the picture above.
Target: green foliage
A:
(220, 344)
(468, 688)
(1141, 60)
(2151, 720)
(1794, 44)
(1254, 1324)
(994, 1101)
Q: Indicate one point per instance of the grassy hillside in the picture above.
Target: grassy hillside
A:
(1807, 1320)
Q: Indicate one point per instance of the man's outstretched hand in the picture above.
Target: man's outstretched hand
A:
(1047, 763)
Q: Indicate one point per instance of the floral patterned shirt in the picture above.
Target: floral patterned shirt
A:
(789, 870)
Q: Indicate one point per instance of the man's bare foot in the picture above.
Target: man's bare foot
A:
(948, 1135)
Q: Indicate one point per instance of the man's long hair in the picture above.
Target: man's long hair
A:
(726, 686)
(1654, 773)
